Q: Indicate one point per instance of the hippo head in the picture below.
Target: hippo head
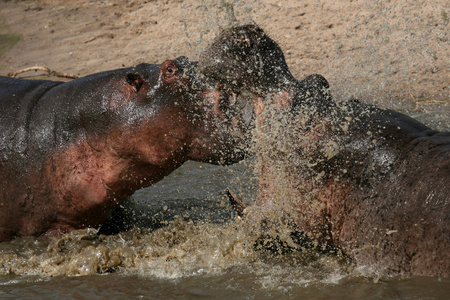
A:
(173, 108)
(246, 57)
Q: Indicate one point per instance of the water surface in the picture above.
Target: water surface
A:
(203, 252)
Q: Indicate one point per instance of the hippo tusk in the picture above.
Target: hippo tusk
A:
(234, 99)
(237, 204)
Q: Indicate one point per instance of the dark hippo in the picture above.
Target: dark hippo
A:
(370, 182)
(71, 151)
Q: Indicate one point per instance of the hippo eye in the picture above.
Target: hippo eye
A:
(169, 71)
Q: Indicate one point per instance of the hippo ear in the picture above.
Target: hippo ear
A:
(135, 80)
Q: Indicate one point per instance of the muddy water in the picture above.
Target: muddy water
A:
(203, 252)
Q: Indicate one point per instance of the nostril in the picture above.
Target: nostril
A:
(131, 78)
(135, 80)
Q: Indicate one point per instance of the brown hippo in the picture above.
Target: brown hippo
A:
(370, 182)
(71, 151)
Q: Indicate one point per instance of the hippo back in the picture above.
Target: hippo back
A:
(38, 116)
(17, 101)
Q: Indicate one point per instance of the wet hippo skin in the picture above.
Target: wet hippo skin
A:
(71, 151)
(370, 182)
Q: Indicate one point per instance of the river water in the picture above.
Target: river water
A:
(205, 251)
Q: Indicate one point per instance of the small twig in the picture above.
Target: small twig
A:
(237, 204)
(105, 35)
(47, 70)
(427, 102)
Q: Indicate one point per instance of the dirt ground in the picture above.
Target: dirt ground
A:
(395, 54)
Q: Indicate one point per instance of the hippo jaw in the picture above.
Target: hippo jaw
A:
(223, 118)
(223, 122)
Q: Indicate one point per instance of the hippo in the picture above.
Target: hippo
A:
(71, 151)
(371, 183)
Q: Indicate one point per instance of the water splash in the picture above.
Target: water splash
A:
(182, 249)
